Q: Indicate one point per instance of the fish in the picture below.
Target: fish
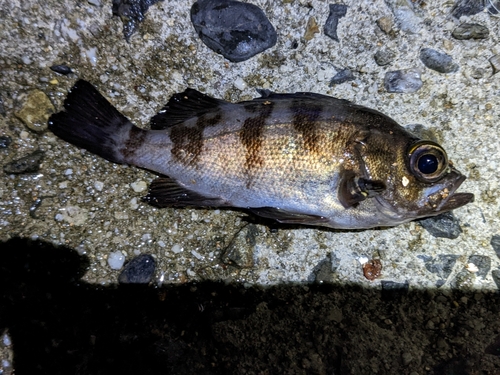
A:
(297, 158)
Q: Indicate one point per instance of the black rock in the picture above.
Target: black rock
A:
(392, 290)
(337, 11)
(236, 30)
(442, 265)
(495, 243)
(384, 57)
(467, 8)
(131, 13)
(342, 76)
(438, 61)
(26, 164)
(403, 81)
(139, 270)
(470, 31)
(5, 141)
(482, 262)
(61, 69)
(445, 225)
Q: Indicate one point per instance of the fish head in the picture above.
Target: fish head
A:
(417, 177)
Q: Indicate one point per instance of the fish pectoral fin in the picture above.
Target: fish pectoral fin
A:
(353, 189)
(166, 192)
(288, 217)
(183, 106)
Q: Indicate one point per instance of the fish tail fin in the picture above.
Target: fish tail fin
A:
(89, 121)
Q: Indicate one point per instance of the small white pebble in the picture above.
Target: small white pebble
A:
(59, 217)
(190, 272)
(98, 185)
(133, 204)
(146, 237)
(139, 186)
(63, 185)
(471, 267)
(68, 172)
(116, 260)
(405, 181)
(161, 243)
(240, 84)
(24, 135)
(197, 254)
(363, 260)
(104, 78)
(176, 249)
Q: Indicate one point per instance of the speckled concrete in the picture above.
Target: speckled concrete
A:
(90, 205)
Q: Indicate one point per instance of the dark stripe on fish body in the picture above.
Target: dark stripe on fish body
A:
(305, 122)
(188, 140)
(251, 136)
(135, 140)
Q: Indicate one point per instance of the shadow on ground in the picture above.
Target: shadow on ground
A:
(61, 325)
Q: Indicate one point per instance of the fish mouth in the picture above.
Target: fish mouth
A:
(446, 199)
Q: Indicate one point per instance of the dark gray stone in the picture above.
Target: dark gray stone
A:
(438, 61)
(241, 248)
(5, 141)
(384, 57)
(495, 274)
(392, 290)
(131, 13)
(342, 76)
(470, 31)
(236, 30)
(442, 266)
(61, 69)
(337, 11)
(26, 164)
(139, 270)
(445, 225)
(495, 244)
(403, 81)
(467, 8)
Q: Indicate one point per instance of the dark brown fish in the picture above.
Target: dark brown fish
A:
(300, 158)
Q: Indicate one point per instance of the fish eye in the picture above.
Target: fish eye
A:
(428, 161)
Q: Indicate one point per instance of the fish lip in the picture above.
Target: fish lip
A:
(454, 200)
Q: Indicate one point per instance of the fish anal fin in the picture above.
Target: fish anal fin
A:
(288, 217)
(166, 192)
(184, 106)
(353, 189)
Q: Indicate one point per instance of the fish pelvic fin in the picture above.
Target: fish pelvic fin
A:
(90, 121)
(184, 106)
(166, 192)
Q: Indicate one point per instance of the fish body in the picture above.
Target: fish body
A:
(300, 158)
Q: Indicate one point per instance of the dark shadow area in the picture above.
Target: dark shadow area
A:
(60, 325)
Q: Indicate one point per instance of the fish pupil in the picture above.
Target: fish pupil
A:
(428, 164)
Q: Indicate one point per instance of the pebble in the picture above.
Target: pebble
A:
(384, 57)
(438, 61)
(27, 164)
(116, 259)
(445, 225)
(466, 8)
(139, 186)
(36, 111)
(483, 264)
(403, 81)
(406, 19)
(342, 76)
(442, 265)
(5, 141)
(236, 30)
(385, 24)
(495, 63)
(61, 69)
(495, 244)
(470, 31)
(240, 84)
(311, 28)
(337, 11)
(131, 13)
(139, 270)
(241, 248)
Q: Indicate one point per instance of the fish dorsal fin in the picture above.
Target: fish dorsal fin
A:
(353, 189)
(183, 106)
(166, 192)
(288, 217)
